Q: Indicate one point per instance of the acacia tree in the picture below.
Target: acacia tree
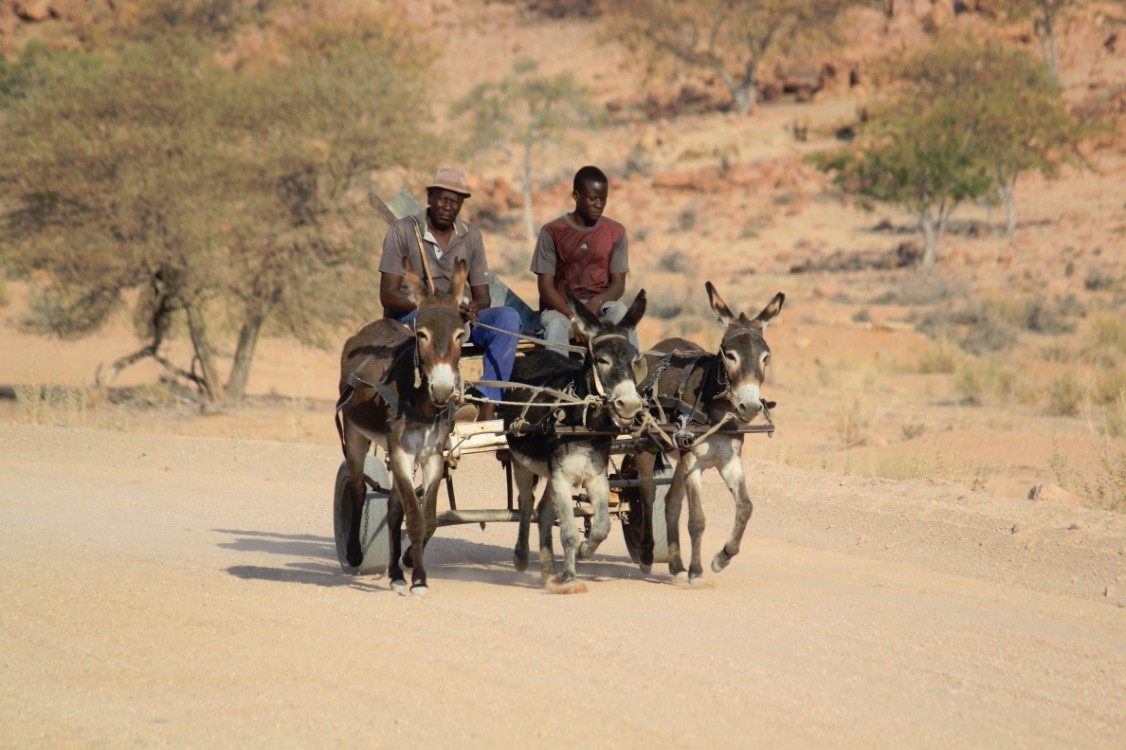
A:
(1007, 103)
(921, 162)
(220, 196)
(520, 113)
(969, 120)
(729, 38)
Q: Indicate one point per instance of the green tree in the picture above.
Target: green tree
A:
(1007, 103)
(729, 38)
(521, 113)
(969, 120)
(921, 162)
(222, 198)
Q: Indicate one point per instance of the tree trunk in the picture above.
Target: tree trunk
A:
(212, 388)
(526, 187)
(1006, 191)
(932, 234)
(743, 93)
(244, 355)
(1046, 35)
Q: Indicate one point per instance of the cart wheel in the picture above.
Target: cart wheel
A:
(631, 527)
(374, 536)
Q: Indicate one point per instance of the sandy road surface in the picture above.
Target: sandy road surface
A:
(185, 593)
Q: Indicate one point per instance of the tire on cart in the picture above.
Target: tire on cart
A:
(631, 526)
(375, 538)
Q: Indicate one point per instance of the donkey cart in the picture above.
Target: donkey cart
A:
(470, 438)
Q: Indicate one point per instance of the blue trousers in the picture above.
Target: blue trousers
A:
(499, 348)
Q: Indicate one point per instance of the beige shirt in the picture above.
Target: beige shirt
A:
(401, 242)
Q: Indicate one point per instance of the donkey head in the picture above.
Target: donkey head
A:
(439, 333)
(614, 362)
(744, 352)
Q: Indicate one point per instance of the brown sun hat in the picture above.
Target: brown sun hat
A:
(449, 178)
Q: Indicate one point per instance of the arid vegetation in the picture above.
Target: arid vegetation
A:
(199, 200)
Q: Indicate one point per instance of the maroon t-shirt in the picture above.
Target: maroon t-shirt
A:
(581, 256)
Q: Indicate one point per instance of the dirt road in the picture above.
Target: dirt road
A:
(185, 593)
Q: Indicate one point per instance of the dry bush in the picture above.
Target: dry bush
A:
(1064, 394)
(919, 465)
(922, 290)
(59, 404)
(1110, 384)
(1105, 340)
(940, 357)
(1104, 488)
(852, 422)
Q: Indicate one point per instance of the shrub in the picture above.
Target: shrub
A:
(940, 357)
(1065, 394)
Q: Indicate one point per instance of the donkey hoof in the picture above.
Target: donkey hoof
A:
(420, 590)
(560, 586)
(720, 561)
(646, 569)
(586, 550)
(521, 564)
(681, 578)
(399, 586)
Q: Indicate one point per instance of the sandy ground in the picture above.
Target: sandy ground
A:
(185, 592)
(170, 579)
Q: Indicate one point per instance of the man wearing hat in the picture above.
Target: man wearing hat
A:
(445, 239)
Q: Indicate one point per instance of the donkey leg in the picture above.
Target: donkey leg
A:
(648, 491)
(402, 465)
(395, 527)
(569, 537)
(432, 470)
(732, 473)
(598, 489)
(525, 489)
(356, 446)
(693, 482)
(546, 525)
(673, 502)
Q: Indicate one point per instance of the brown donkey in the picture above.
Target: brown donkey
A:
(399, 388)
(704, 389)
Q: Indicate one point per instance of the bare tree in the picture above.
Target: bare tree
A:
(519, 114)
(729, 38)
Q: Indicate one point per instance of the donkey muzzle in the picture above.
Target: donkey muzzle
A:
(748, 403)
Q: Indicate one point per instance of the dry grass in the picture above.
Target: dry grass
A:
(56, 405)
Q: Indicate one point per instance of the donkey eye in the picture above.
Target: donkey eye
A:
(459, 335)
(731, 356)
(423, 335)
(765, 359)
(604, 362)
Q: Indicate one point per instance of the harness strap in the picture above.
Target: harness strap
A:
(422, 252)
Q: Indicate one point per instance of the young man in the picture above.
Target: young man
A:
(586, 250)
(446, 239)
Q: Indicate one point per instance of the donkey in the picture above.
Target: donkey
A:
(606, 385)
(401, 387)
(706, 389)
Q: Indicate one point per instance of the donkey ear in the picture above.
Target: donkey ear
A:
(586, 320)
(636, 310)
(719, 307)
(770, 312)
(457, 282)
(414, 282)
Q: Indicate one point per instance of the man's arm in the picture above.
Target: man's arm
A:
(614, 291)
(550, 296)
(391, 295)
